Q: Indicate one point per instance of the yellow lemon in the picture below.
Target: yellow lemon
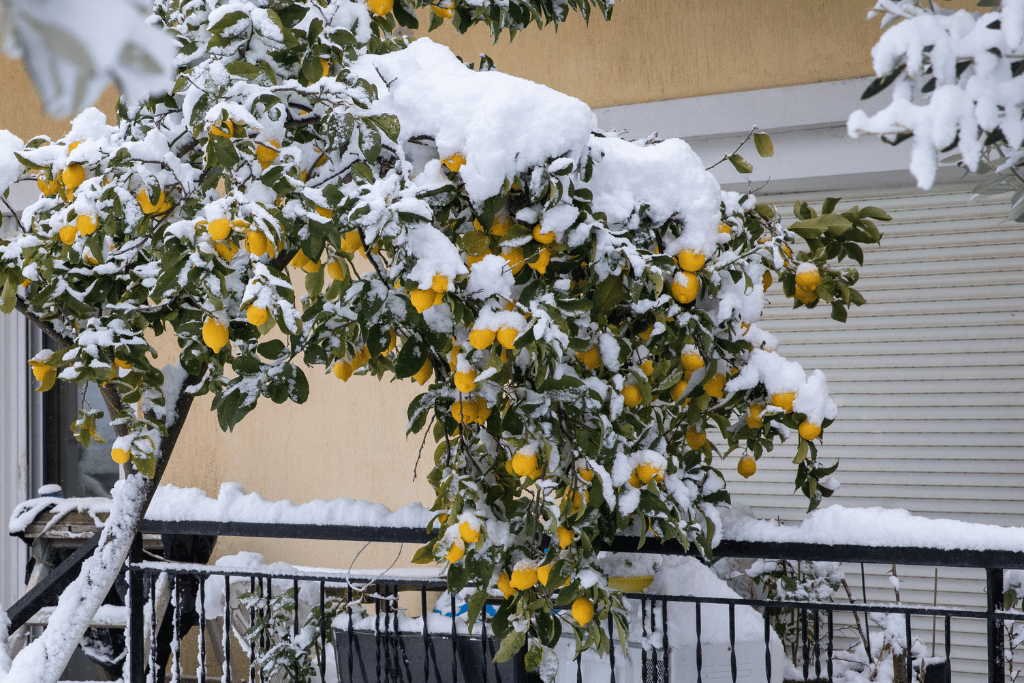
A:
(725, 228)
(715, 387)
(543, 237)
(690, 261)
(468, 533)
(227, 250)
(646, 334)
(582, 611)
(481, 339)
(646, 471)
(352, 242)
(524, 464)
(219, 228)
(524, 577)
(505, 585)
(565, 537)
(439, 283)
(634, 480)
(424, 373)
(380, 8)
(514, 257)
(148, 207)
(444, 13)
(766, 280)
(784, 401)
(325, 67)
(678, 389)
(215, 334)
(457, 412)
(808, 279)
(507, 337)
(68, 234)
(540, 266)
(746, 467)
(73, 176)
(465, 381)
(754, 420)
(501, 225)
(591, 358)
(685, 287)
(225, 129)
(48, 188)
(266, 152)
(586, 474)
(544, 573)
(692, 362)
(40, 370)
(647, 367)
(86, 224)
(256, 243)
(256, 315)
(456, 552)
(455, 161)
(695, 439)
(422, 299)
(632, 396)
(360, 358)
(120, 456)
(335, 271)
(438, 298)
(805, 296)
(809, 430)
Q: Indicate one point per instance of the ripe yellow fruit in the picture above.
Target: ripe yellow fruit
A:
(225, 129)
(266, 152)
(68, 234)
(422, 299)
(524, 464)
(646, 471)
(361, 357)
(86, 224)
(424, 373)
(256, 243)
(501, 225)
(256, 315)
(123, 364)
(784, 401)
(541, 264)
(439, 283)
(692, 362)
(715, 387)
(746, 467)
(691, 261)
(766, 280)
(647, 367)
(632, 396)
(505, 585)
(438, 298)
(227, 250)
(586, 474)
(40, 370)
(804, 296)
(335, 271)
(725, 228)
(220, 228)
(481, 339)
(325, 213)
(543, 237)
(754, 420)
(465, 381)
(524, 577)
(678, 389)
(215, 334)
(463, 412)
(591, 358)
(582, 611)
(325, 67)
(809, 430)
(634, 480)
(646, 334)
(444, 13)
(565, 537)
(48, 188)
(73, 176)
(544, 573)
(120, 456)
(685, 287)
(695, 439)
(808, 279)
(515, 259)
(456, 552)
(162, 203)
(455, 161)
(352, 242)
(507, 337)
(381, 7)
(468, 533)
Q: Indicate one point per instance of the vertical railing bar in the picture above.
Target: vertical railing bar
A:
(152, 628)
(455, 654)
(767, 645)
(732, 640)
(426, 639)
(700, 649)
(611, 650)
(804, 642)
(831, 633)
(654, 648)
(295, 623)
(817, 645)
(644, 675)
(483, 637)
(996, 656)
(867, 617)
(910, 647)
(176, 628)
(351, 636)
(388, 645)
(493, 654)
(322, 659)
(949, 673)
(225, 643)
(201, 674)
(376, 630)
(252, 622)
(664, 639)
(266, 615)
(136, 612)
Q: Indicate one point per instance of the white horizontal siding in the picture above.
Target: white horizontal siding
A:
(929, 379)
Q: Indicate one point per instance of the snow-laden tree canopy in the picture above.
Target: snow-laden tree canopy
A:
(957, 83)
(581, 309)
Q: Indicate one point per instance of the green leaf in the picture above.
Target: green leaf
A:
(829, 205)
(801, 452)
(875, 213)
(424, 555)
(8, 298)
(243, 69)
(764, 145)
(534, 656)
(145, 464)
(740, 164)
(476, 605)
(608, 293)
(510, 645)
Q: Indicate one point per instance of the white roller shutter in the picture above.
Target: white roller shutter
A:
(929, 379)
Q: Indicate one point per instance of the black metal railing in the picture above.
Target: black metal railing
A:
(668, 643)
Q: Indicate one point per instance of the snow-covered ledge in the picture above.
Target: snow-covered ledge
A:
(807, 124)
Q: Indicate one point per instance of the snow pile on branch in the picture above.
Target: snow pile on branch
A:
(957, 82)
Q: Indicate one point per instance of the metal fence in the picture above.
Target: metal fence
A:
(668, 642)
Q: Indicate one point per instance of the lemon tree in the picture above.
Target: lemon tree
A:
(318, 192)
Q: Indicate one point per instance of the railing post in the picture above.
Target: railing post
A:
(136, 603)
(996, 659)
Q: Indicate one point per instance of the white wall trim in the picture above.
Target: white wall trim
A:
(807, 124)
